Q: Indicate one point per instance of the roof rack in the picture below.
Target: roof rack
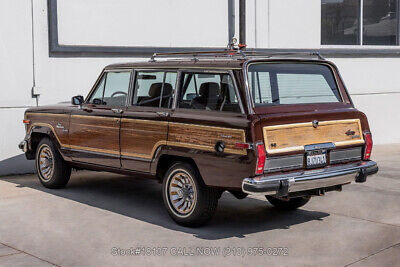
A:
(230, 53)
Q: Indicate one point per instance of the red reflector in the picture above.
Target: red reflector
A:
(260, 159)
(26, 121)
(368, 146)
(242, 145)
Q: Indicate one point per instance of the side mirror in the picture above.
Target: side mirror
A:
(77, 100)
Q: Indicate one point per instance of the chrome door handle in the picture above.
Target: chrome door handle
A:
(162, 114)
(116, 110)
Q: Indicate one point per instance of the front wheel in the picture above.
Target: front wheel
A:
(52, 170)
(288, 204)
(188, 200)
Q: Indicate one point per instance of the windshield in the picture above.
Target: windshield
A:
(292, 83)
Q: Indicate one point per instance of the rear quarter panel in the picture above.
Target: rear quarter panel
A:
(194, 133)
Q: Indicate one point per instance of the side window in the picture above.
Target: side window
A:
(154, 88)
(112, 89)
(209, 92)
(192, 90)
(116, 88)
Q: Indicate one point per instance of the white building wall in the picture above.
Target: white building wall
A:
(374, 85)
(372, 82)
(15, 76)
(294, 23)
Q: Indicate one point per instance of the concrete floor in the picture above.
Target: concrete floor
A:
(81, 224)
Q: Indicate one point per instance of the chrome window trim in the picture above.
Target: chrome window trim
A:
(175, 91)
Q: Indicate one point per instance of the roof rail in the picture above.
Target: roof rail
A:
(230, 53)
(271, 53)
(195, 54)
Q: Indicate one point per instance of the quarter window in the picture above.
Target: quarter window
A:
(208, 91)
(341, 22)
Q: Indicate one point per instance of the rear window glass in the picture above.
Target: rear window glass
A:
(295, 83)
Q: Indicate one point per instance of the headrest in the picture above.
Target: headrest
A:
(209, 90)
(225, 93)
(167, 89)
(155, 89)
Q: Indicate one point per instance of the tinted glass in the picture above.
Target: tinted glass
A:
(340, 23)
(380, 22)
(154, 89)
(274, 84)
(208, 92)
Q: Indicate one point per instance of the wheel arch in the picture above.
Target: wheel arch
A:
(164, 161)
(37, 133)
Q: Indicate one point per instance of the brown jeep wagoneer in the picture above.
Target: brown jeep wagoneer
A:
(282, 126)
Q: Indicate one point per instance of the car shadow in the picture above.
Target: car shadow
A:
(16, 165)
(141, 199)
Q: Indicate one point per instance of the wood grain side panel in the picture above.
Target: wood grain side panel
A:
(51, 121)
(293, 137)
(96, 134)
(140, 138)
(205, 137)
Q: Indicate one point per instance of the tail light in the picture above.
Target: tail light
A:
(368, 145)
(26, 121)
(260, 158)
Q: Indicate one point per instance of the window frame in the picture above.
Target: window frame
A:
(100, 78)
(211, 71)
(361, 34)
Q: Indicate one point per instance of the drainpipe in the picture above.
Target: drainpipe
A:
(34, 93)
(242, 24)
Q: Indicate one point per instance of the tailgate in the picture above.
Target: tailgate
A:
(293, 137)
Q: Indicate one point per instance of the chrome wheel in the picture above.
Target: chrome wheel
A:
(182, 193)
(46, 163)
(189, 201)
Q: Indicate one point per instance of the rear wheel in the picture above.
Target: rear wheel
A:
(188, 200)
(52, 170)
(288, 204)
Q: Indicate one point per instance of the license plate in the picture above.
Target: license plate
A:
(316, 159)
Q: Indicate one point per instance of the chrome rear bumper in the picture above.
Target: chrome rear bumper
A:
(283, 184)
